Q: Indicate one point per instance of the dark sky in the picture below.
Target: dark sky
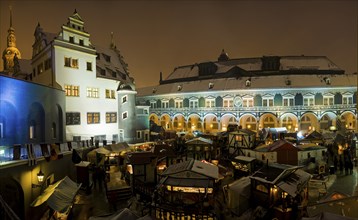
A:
(156, 36)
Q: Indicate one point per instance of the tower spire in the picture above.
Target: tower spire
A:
(10, 7)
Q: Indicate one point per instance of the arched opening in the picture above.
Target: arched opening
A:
(166, 123)
(194, 123)
(268, 121)
(309, 122)
(211, 123)
(290, 122)
(348, 120)
(226, 120)
(179, 123)
(248, 122)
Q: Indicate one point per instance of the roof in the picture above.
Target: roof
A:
(59, 196)
(199, 141)
(140, 158)
(257, 82)
(192, 169)
(163, 151)
(275, 146)
(244, 130)
(294, 183)
(244, 158)
(273, 173)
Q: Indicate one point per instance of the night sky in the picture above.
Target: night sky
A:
(157, 36)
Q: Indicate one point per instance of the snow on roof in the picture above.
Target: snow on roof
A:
(199, 140)
(195, 166)
(262, 82)
(307, 62)
(115, 62)
(184, 72)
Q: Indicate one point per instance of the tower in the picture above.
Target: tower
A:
(11, 54)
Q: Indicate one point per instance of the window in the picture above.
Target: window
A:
(139, 134)
(92, 92)
(106, 57)
(178, 103)
(114, 74)
(81, 41)
(248, 83)
(267, 101)
(70, 62)
(40, 68)
(347, 99)
(72, 39)
(53, 130)
(89, 66)
(228, 102)
(153, 104)
(124, 115)
(110, 94)
(209, 102)
(328, 100)
(32, 132)
(93, 118)
(165, 104)
(1, 130)
(124, 99)
(48, 64)
(288, 101)
(308, 100)
(247, 102)
(72, 90)
(211, 85)
(111, 117)
(121, 135)
(194, 103)
(73, 118)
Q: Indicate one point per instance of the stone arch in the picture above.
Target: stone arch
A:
(179, 122)
(327, 120)
(268, 120)
(12, 192)
(211, 123)
(166, 122)
(10, 131)
(154, 119)
(226, 119)
(308, 122)
(248, 121)
(348, 119)
(36, 118)
(194, 123)
(289, 121)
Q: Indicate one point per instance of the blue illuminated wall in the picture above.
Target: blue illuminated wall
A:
(24, 104)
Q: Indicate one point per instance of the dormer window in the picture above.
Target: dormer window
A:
(154, 90)
(211, 85)
(288, 82)
(180, 88)
(107, 58)
(327, 80)
(248, 83)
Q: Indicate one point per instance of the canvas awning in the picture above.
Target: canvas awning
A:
(59, 196)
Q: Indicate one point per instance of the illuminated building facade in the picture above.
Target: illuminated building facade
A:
(98, 88)
(297, 92)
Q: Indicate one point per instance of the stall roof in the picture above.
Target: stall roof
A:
(199, 141)
(245, 159)
(192, 169)
(59, 196)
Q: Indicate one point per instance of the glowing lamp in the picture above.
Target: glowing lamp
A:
(40, 179)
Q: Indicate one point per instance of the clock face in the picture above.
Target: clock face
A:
(238, 101)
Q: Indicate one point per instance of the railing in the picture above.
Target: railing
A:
(144, 189)
(174, 213)
(257, 108)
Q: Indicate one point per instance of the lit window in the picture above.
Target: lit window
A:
(347, 99)
(69, 62)
(40, 68)
(72, 90)
(209, 103)
(93, 118)
(267, 101)
(124, 115)
(247, 102)
(228, 102)
(110, 94)
(308, 101)
(92, 92)
(111, 117)
(32, 131)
